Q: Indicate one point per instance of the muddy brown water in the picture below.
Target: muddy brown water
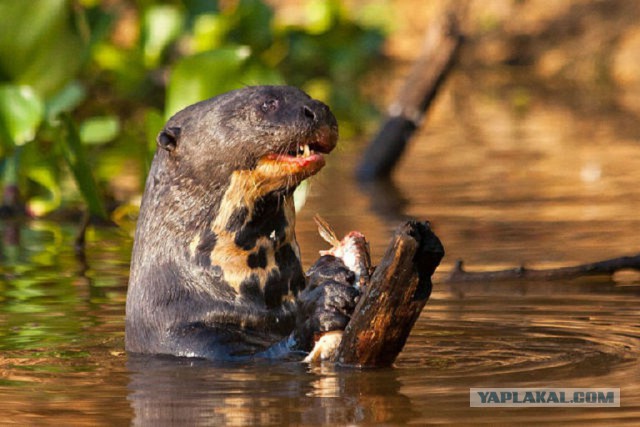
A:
(547, 186)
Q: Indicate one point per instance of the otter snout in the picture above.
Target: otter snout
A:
(325, 123)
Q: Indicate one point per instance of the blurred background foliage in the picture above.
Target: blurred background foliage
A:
(85, 85)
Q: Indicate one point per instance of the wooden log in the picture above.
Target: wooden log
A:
(420, 88)
(391, 303)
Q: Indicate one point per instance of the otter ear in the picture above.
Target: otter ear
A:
(168, 138)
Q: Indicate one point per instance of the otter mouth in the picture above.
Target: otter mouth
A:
(302, 150)
(293, 163)
(303, 153)
(307, 154)
(299, 160)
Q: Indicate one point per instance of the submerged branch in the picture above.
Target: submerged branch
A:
(600, 268)
(413, 100)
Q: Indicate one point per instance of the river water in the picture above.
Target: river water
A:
(508, 174)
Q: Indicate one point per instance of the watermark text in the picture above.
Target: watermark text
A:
(528, 397)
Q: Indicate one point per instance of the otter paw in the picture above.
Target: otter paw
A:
(336, 307)
(329, 268)
(327, 307)
(325, 347)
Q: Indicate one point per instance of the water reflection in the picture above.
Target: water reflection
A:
(385, 200)
(169, 391)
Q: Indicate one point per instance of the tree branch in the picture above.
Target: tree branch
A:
(415, 97)
(606, 267)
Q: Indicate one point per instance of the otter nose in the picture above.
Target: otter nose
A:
(309, 113)
(317, 113)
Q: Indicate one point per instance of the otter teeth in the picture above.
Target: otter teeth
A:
(304, 150)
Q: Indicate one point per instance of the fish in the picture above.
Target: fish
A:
(353, 250)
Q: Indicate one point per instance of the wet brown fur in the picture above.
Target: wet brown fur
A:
(245, 188)
(215, 265)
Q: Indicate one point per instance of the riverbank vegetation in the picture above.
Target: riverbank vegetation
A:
(85, 85)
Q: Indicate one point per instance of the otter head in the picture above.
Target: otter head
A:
(220, 188)
(278, 132)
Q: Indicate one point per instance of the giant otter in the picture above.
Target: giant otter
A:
(216, 269)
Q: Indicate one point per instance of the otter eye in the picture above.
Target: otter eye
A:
(270, 105)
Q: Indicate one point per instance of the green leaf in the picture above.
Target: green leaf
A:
(21, 112)
(65, 100)
(258, 74)
(199, 7)
(204, 75)
(74, 155)
(209, 31)
(46, 177)
(98, 130)
(9, 168)
(39, 45)
(250, 24)
(161, 26)
(320, 15)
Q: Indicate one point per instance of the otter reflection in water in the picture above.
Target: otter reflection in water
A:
(169, 391)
